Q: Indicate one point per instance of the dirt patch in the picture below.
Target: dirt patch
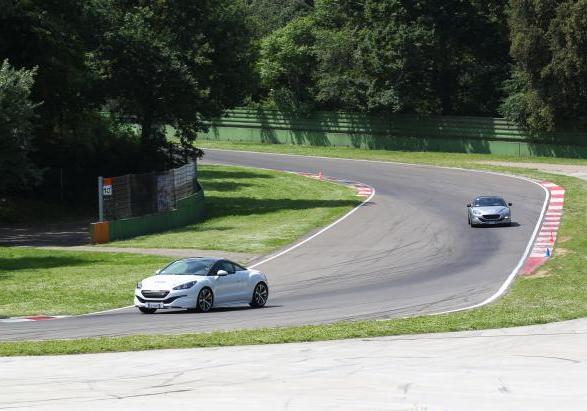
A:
(541, 273)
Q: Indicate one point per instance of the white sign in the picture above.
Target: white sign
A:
(107, 190)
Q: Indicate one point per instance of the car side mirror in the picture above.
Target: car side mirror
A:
(510, 204)
(221, 273)
(468, 205)
(157, 271)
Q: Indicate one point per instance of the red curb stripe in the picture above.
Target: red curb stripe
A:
(546, 238)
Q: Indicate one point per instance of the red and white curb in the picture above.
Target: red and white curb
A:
(546, 238)
(31, 318)
(363, 190)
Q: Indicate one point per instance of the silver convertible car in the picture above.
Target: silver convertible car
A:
(199, 284)
(489, 210)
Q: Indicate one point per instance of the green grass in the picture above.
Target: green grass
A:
(254, 211)
(249, 210)
(559, 295)
(36, 281)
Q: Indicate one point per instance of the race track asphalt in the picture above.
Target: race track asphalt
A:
(409, 251)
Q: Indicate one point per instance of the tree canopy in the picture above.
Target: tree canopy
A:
(100, 83)
(16, 116)
(393, 56)
(106, 66)
(548, 87)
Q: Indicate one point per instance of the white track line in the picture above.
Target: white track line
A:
(328, 227)
(260, 262)
(522, 260)
(499, 292)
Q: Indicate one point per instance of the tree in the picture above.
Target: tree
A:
(287, 64)
(548, 88)
(175, 63)
(393, 56)
(16, 125)
(51, 35)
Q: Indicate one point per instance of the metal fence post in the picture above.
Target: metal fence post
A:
(100, 198)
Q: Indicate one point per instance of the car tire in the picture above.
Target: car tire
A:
(260, 295)
(146, 310)
(205, 300)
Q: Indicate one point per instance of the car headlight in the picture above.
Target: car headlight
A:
(185, 286)
(476, 212)
(139, 285)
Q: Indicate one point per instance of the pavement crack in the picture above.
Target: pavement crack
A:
(550, 358)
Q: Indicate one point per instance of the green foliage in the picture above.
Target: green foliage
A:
(174, 63)
(549, 46)
(392, 55)
(16, 115)
(286, 64)
(156, 63)
(266, 16)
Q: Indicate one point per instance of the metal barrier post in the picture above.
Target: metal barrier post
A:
(100, 198)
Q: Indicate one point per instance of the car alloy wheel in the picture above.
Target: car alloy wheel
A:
(260, 295)
(205, 300)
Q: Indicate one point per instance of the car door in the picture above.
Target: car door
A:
(244, 292)
(225, 287)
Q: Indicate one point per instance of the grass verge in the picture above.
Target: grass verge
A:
(249, 210)
(36, 281)
(560, 294)
(254, 211)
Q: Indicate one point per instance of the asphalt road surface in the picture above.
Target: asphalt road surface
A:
(407, 252)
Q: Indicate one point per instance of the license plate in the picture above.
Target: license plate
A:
(154, 305)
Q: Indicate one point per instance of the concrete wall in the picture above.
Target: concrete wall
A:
(396, 132)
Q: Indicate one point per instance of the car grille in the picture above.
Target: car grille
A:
(154, 293)
(165, 301)
(491, 216)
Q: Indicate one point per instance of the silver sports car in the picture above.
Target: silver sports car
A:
(199, 284)
(489, 210)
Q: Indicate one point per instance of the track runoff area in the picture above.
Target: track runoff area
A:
(407, 250)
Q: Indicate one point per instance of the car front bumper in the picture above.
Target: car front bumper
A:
(480, 220)
(173, 300)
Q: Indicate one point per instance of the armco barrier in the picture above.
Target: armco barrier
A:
(395, 132)
(189, 210)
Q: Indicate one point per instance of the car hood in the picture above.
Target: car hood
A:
(167, 282)
(491, 210)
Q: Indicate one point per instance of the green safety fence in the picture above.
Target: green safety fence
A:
(189, 210)
(396, 132)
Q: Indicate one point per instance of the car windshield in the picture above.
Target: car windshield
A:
(188, 267)
(489, 202)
